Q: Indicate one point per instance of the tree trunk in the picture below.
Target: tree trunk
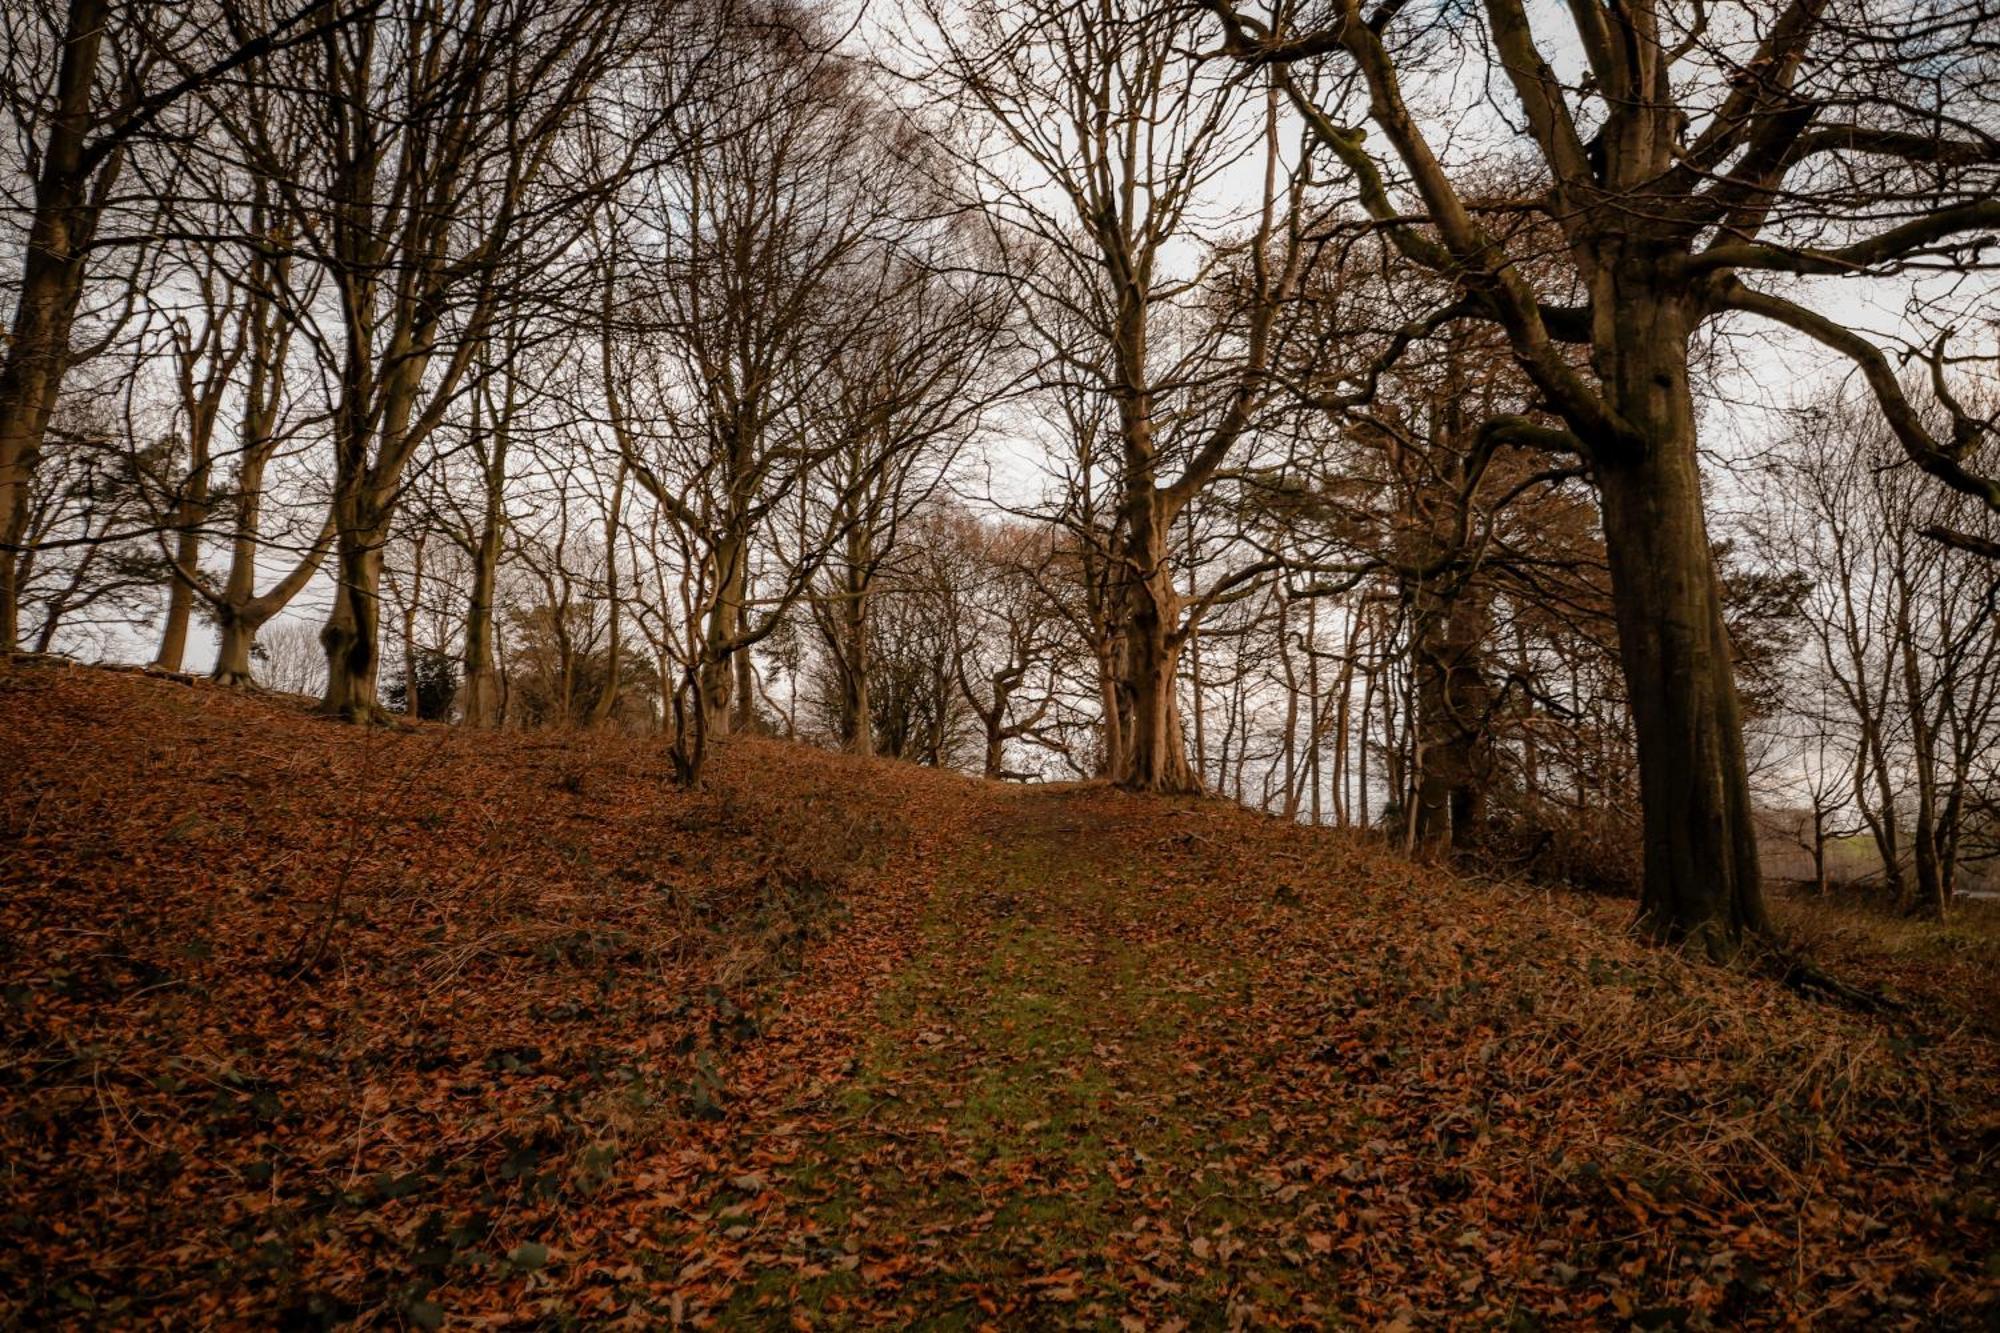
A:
(235, 638)
(725, 619)
(1155, 757)
(1364, 721)
(1112, 726)
(353, 629)
(479, 690)
(1930, 898)
(1820, 884)
(607, 699)
(52, 272)
(1430, 819)
(857, 732)
(996, 743)
(1200, 759)
(412, 703)
(479, 685)
(1931, 893)
(242, 613)
(1452, 728)
(1291, 801)
(1314, 739)
(1398, 759)
(180, 600)
(851, 655)
(1343, 713)
(1702, 882)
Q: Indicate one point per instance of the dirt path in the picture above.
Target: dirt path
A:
(1107, 1063)
(1083, 1095)
(1031, 1126)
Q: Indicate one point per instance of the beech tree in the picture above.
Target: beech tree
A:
(480, 521)
(87, 83)
(1687, 155)
(789, 338)
(241, 413)
(1903, 636)
(1010, 648)
(424, 167)
(905, 399)
(1105, 134)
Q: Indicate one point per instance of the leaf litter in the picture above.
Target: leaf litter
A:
(416, 1027)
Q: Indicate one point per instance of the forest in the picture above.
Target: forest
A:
(1000, 663)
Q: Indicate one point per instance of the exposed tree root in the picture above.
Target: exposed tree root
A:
(1788, 964)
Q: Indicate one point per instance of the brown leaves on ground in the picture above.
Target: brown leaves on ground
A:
(309, 1020)
(309, 1024)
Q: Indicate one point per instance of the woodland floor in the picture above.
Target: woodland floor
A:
(306, 1024)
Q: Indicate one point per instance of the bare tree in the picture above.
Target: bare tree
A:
(1690, 151)
(424, 169)
(1903, 633)
(1108, 136)
(86, 82)
(794, 343)
(230, 344)
(905, 400)
(1010, 644)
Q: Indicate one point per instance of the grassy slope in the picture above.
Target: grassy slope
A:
(836, 1042)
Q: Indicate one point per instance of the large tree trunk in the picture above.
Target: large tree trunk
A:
(1932, 896)
(235, 638)
(1452, 727)
(1469, 696)
(352, 636)
(725, 621)
(1702, 881)
(479, 685)
(52, 270)
(180, 595)
(1155, 756)
(236, 623)
(242, 613)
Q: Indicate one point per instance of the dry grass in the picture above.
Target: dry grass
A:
(1946, 969)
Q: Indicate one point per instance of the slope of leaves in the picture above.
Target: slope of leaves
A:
(1163, 1065)
(839, 1043)
(312, 1021)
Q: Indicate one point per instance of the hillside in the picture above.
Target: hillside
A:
(411, 1027)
